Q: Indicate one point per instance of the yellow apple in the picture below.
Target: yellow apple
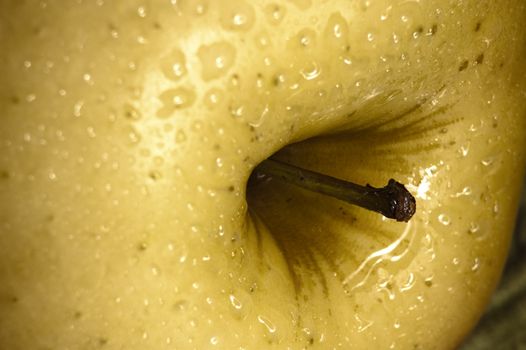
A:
(130, 128)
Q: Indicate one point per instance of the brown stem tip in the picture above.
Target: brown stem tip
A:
(393, 201)
(401, 203)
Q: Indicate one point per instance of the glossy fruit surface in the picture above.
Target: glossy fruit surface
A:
(129, 131)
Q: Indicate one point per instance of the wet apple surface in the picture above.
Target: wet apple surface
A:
(130, 131)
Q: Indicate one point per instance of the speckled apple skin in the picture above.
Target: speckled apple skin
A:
(129, 129)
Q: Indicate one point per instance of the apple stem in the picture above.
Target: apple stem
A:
(392, 201)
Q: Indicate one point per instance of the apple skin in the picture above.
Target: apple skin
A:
(130, 129)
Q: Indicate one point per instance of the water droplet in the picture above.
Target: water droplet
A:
(216, 59)
(268, 61)
(236, 303)
(476, 265)
(237, 111)
(141, 11)
(260, 82)
(466, 191)
(279, 79)
(52, 175)
(428, 281)
(141, 39)
(270, 327)
(132, 66)
(488, 161)
(306, 38)
(173, 66)
(155, 175)
(347, 60)
(214, 340)
(237, 15)
(385, 14)
(114, 33)
(175, 99)
(239, 19)
(396, 39)
(406, 280)
(444, 219)
(473, 228)
(464, 150)
(362, 323)
(77, 108)
(131, 112)
(234, 80)
(133, 135)
(262, 40)
(197, 125)
(213, 98)
(337, 31)
(275, 13)
(90, 130)
(312, 71)
(87, 78)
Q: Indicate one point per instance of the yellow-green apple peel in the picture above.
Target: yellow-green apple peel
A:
(130, 129)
